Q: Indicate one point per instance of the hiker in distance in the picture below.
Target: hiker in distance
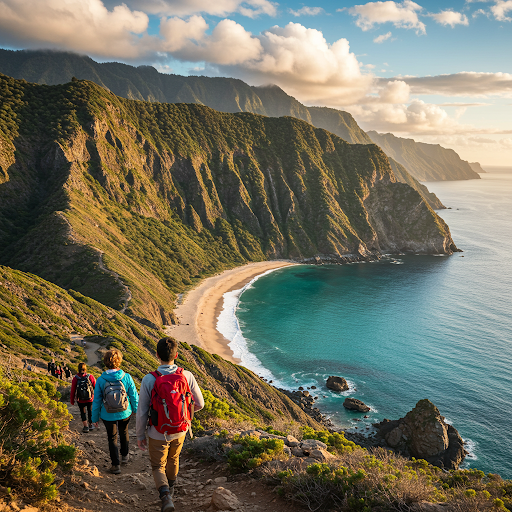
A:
(168, 398)
(82, 389)
(115, 398)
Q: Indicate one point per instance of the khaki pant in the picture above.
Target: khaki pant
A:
(165, 459)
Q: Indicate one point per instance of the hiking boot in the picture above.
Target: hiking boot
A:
(85, 429)
(167, 503)
(116, 470)
(125, 458)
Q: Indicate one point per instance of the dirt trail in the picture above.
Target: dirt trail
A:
(93, 488)
(90, 348)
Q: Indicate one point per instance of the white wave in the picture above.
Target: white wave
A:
(229, 327)
(471, 447)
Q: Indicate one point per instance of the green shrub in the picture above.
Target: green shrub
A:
(250, 452)
(32, 446)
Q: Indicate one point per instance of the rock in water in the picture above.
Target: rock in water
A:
(337, 383)
(355, 405)
(424, 434)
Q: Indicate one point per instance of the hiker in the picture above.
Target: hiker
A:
(165, 443)
(68, 371)
(115, 398)
(52, 367)
(82, 387)
(58, 372)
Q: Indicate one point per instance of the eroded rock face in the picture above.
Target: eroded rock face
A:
(354, 404)
(336, 383)
(424, 434)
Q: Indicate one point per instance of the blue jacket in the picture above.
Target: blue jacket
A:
(98, 411)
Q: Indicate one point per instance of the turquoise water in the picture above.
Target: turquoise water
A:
(402, 329)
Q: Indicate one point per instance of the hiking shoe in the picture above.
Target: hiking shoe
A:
(125, 459)
(167, 503)
(91, 427)
(85, 429)
(115, 470)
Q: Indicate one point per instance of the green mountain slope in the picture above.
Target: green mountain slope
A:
(131, 202)
(430, 162)
(37, 318)
(223, 94)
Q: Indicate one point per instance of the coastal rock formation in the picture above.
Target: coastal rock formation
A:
(336, 383)
(424, 434)
(354, 404)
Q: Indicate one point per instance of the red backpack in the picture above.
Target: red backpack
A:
(171, 409)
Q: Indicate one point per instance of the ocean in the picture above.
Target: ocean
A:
(401, 329)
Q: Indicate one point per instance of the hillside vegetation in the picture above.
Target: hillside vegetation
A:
(222, 94)
(131, 202)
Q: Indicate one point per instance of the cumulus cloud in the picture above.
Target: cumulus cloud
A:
(384, 37)
(402, 15)
(501, 9)
(300, 60)
(79, 25)
(461, 84)
(250, 8)
(307, 11)
(451, 18)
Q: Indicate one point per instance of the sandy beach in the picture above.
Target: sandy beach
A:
(202, 305)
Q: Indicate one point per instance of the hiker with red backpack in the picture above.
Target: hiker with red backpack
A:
(168, 399)
(82, 388)
(115, 398)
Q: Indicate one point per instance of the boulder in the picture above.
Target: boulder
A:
(308, 445)
(224, 499)
(336, 383)
(291, 441)
(424, 434)
(354, 404)
(321, 455)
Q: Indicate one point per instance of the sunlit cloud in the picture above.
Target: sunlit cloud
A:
(249, 8)
(401, 15)
(384, 37)
(307, 11)
(450, 18)
(501, 9)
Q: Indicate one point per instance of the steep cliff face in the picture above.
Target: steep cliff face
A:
(105, 194)
(426, 162)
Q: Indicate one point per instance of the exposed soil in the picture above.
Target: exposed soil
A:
(93, 488)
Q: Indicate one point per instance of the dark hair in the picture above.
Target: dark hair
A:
(82, 368)
(167, 348)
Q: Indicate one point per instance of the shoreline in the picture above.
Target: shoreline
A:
(202, 305)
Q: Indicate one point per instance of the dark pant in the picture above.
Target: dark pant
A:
(112, 428)
(82, 408)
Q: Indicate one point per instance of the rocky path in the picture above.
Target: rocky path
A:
(93, 488)
(90, 348)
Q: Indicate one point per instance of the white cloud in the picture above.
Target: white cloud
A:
(307, 11)
(384, 37)
(501, 9)
(302, 62)
(402, 15)
(461, 84)
(75, 25)
(451, 18)
(250, 8)
(229, 43)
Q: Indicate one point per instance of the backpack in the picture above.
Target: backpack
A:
(84, 389)
(171, 408)
(115, 397)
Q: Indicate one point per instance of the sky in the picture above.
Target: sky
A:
(434, 71)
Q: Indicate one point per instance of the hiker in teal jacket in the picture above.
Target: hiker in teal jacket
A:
(115, 421)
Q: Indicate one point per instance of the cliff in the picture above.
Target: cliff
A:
(426, 162)
(131, 202)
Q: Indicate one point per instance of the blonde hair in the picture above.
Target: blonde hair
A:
(113, 358)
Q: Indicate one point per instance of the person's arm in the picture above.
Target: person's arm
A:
(132, 392)
(146, 386)
(73, 390)
(92, 379)
(97, 402)
(196, 392)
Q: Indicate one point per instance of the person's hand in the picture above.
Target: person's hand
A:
(96, 424)
(142, 444)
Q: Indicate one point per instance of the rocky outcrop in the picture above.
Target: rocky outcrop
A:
(336, 383)
(353, 404)
(424, 434)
